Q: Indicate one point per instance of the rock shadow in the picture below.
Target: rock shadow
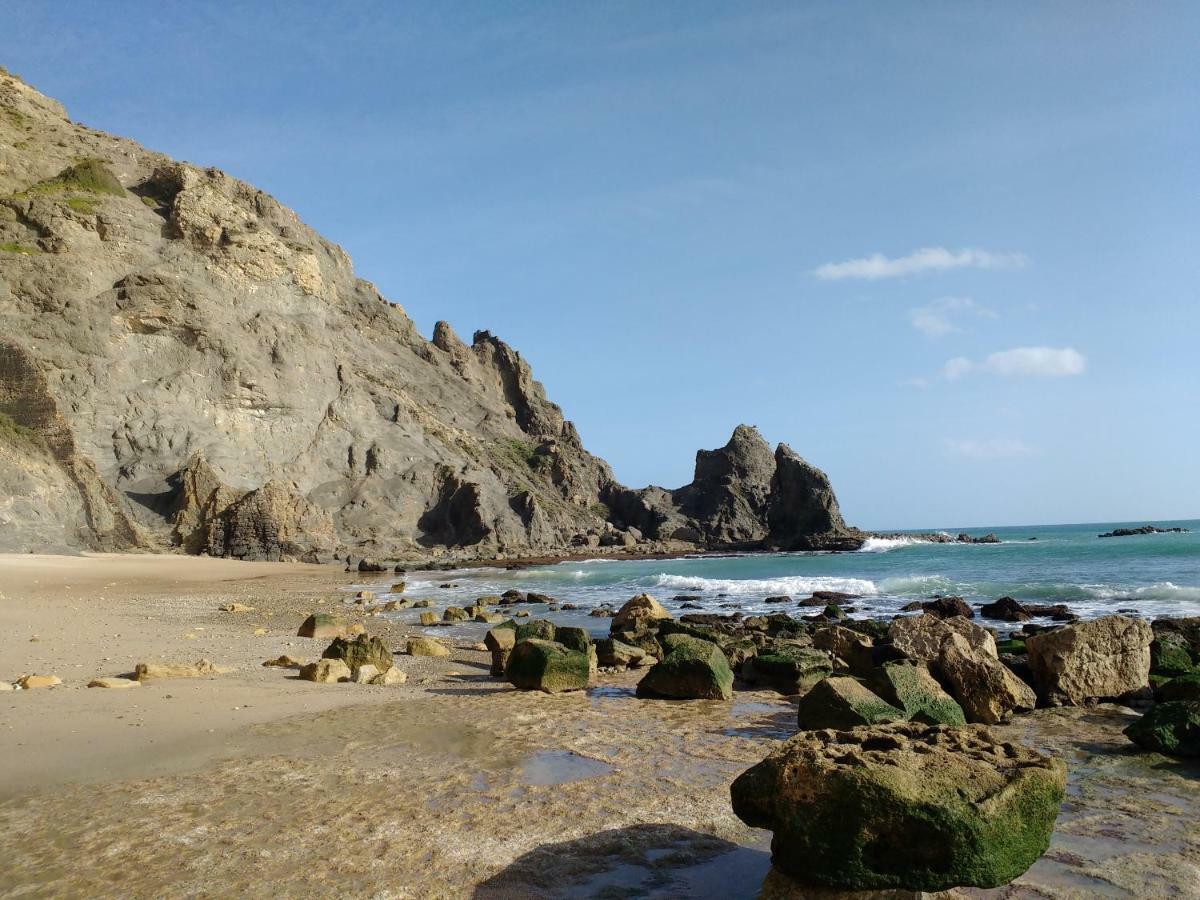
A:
(644, 861)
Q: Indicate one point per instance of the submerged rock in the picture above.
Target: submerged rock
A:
(692, 669)
(903, 806)
(1172, 728)
(537, 665)
(1106, 658)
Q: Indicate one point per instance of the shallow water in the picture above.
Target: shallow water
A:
(1156, 575)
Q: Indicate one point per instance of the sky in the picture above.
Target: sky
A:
(947, 251)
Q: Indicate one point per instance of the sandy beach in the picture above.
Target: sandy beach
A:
(452, 785)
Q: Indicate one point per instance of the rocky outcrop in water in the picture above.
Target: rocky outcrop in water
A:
(185, 365)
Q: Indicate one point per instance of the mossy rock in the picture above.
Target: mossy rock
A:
(573, 638)
(88, 176)
(843, 703)
(644, 640)
(691, 669)
(1181, 687)
(1171, 728)
(362, 650)
(918, 693)
(903, 807)
(1171, 655)
(787, 669)
(1014, 646)
(536, 629)
(538, 665)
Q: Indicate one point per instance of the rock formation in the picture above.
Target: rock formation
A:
(185, 365)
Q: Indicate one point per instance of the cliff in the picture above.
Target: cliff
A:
(185, 365)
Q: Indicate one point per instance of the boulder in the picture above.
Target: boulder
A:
(500, 642)
(639, 612)
(854, 651)
(455, 614)
(1181, 687)
(284, 662)
(421, 646)
(920, 638)
(359, 651)
(32, 682)
(541, 629)
(114, 683)
(572, 638)
(1106, 658)
(488, 618)
(839, 702)
(391, 677)
(614, 654)
(985, 688)
(322, 626)
(364, 674)
(398, 588)
(428, 618)
(1171, 728)
(904, 806)
(538, 665)
(1170, 655)
(913, 689)
(948, 608)
(325, 671)
(692, 669)
(787, 668)
(1006, 609)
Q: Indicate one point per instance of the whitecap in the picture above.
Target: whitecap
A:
(793, 585)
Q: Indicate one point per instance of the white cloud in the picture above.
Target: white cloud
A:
(927, 259)
(935, 319)
(988, 448)
(1040, 362)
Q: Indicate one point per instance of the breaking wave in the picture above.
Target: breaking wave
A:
(883, 545)
(795, 585)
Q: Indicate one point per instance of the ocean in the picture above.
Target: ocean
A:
(1156, 575)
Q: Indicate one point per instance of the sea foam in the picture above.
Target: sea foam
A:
(797, 585)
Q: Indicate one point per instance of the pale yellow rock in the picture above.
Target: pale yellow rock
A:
(30, 682)
(428, 618)
(5, 686)
(638, 611)
(365, 674)
(356, 628)
(113, 683)
(426, 647)
(259, 632)
(390, 677)
(236, 608)
(326, 671)
(199, 669)
(921, 638)
(284, 662)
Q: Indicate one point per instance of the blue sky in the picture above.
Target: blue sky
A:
(947, 251)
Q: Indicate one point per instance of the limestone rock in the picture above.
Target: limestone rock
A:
(420, 646)
(392, 676)
(692, 669)
(1105, 658)
(32, 682)
(986, 689)
(903, 806)
(322, 626)
(236, 608)
(325, 671)
(1171, 728)
(853, 650)
(612, 653)
(787, 669)
(114, 683)
(199, 669)
(500, 642)
(840, 702)
(538, 665)
(284, 662)
(365, 674)
(921, 638)
(638, 612)
(360, 651)
(913, 689)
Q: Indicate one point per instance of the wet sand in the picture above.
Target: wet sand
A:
(253, 783)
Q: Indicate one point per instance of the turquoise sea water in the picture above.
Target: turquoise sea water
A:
(1156, 575)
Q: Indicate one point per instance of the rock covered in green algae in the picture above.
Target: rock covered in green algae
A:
(361, 651)
(919, 807)
(692, 669)
(1172, 728)
(573, 638)
(537, 665)
(843, 703)
(1171, 655)
(613, 653)
(539, 629)
(918, 693)
(788, 669)
(1182, 687)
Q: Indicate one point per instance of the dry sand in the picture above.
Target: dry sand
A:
(253, 783)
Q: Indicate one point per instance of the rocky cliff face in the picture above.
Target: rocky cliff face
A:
(185, 365)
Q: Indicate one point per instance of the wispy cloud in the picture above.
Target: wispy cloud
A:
(988, 448)
(1038, 362)
(936, 319)
(927, 259)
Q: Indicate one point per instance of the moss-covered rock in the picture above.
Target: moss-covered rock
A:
(905, 806)
(914, 690)
(573, 638)
(787, 668)
(537, 665)
(1181, 687)
(361, 651)
(644, 640)
(843, 703)
(536, 629)
(692, 669)
(1171, 655)
(615, 654)
(1172, 728)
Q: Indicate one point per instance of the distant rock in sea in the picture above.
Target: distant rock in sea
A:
(1144, 529)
